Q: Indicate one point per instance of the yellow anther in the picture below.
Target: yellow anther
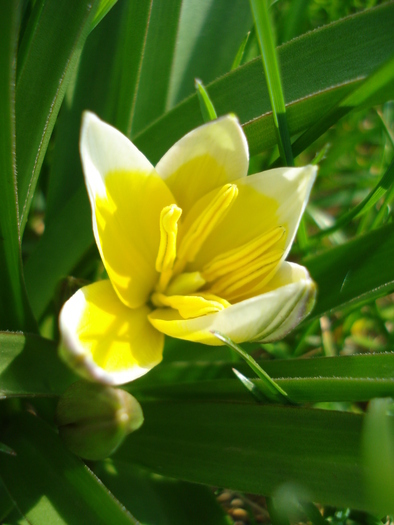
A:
(238, 258)
(185, 283)
(190, 306)
(169, 218)
(206, 222)
(232, 284)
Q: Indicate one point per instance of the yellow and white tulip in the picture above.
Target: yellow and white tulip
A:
(190, 246)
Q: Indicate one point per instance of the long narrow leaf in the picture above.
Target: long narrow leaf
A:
(49, 54)
(14, 309)
(265, 35)
(254, 448)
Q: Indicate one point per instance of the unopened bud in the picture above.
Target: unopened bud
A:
(94, 419)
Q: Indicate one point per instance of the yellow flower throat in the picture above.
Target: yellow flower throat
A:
(227, 278)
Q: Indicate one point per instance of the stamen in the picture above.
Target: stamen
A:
(239, 257)
(185, 283)
(206, 222)
(230, 285)
(169, 218)
(190, 306)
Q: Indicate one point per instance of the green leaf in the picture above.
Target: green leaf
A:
(49, 53)
(328, 63)
(157, 500)
(267, 386)
(265, 35)
(15, 312)
(353, 378)
(103, 8)
(153, 82)
(209, 36)
(378, 439)
(373, 366)
(253, 448)
(129, 51)
(299, 390)
(172, 44)
(357, 271)
(251, 387)
(207, 110)
(240, 53)
(379, 81)
(50, 485)
(30, 366)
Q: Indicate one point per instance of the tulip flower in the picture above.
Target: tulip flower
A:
(190, 246)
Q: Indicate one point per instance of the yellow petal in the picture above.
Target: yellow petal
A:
(204, 159)
(104, 340)
(127, 197)
(266, 317)
(267, 200)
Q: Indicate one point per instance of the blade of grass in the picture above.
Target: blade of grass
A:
(15, 312)
(269, 388)
(251, 387)
(240, 53)
(265, 35)
(207, 109)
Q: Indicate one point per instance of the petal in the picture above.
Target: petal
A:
(204, 159)
(266, 317)
(126, 197)
(267, 200)
(104, 340)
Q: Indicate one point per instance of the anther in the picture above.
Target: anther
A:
(169, 218)
(206, 222)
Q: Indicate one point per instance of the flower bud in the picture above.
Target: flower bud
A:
(94, 419)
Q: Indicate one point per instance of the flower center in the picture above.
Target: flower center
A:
(227, 278)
